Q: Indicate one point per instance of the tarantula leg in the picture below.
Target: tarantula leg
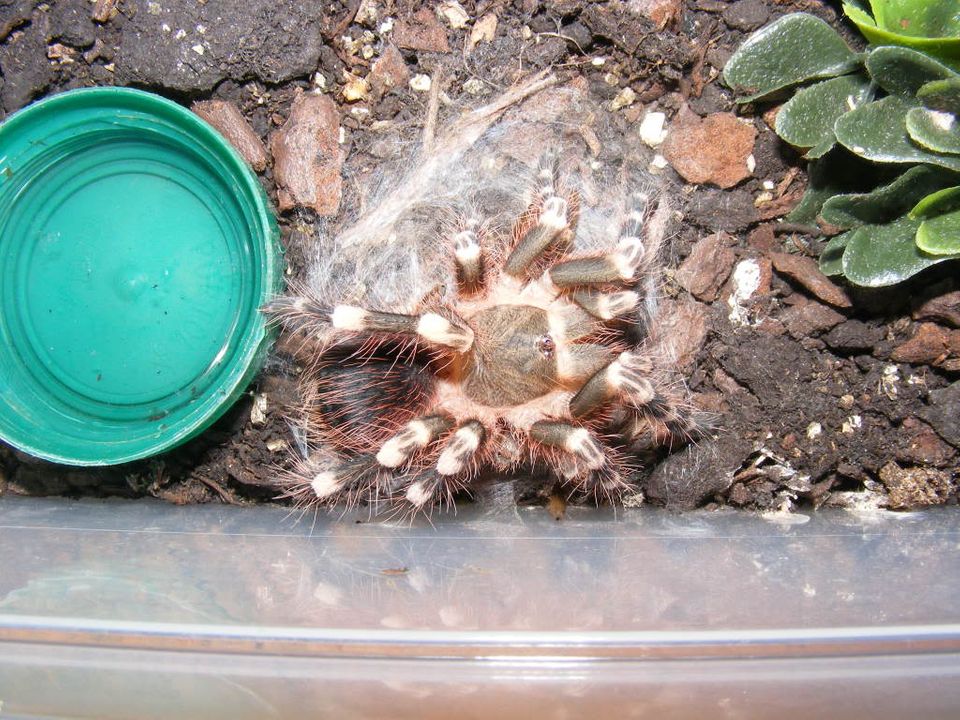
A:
(623, 377)
(606, 306)
(469, 259)
(552, 225)
(620, 266)
(330, 483)
(578, 362)
(299, 313)
(575, 440)
(548, 170)
(460, 448)
(414, 436)
(432, 327)
(616, 267)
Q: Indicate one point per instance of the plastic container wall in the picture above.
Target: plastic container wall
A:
(147, 610)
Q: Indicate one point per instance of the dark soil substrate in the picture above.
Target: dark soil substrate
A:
(820, 400)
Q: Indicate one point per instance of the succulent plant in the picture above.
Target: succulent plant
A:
(881, 129)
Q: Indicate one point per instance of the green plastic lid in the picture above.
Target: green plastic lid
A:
(135, 250)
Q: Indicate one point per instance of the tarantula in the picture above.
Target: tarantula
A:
(538, 358)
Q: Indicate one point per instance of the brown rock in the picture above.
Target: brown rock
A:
(944, 308)
(943, 413)
(661, 12)
(103, 10)
(763, 239)
(422, 31)
(484, 30)
(707, 267)
(725, 383)
(922, 446)
(306, 156)
(388, 71)
(930, 344)
(913, 486)
(686, 322)
(809, 318)
(781, 206)
(806, 272)
(226, 118)
(710, 150)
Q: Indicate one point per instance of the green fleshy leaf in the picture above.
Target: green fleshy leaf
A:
(936, 130)
(945, 46)
(888, 202)
(940, 235)
(791, 50)
(937, 203)
(882, 255)
(831, 257)
(821, 185)
(918, 18)
(807, 119)
(903, 71)
(837, 173)
(878, 131)
(941, 95)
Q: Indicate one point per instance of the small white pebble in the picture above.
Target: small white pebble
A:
(526, 33)
(202, 29)
(659, 162)
(624, 98)
(652, 130)
(751, 162)
(258, 411)
(180, 34)
(342, 135)
(852, 424)
(611, 79)
(598, 61)
(367, 13)
(198, 49)
(276, 445)
(814, 430)
(166, 28)
(386, 26)
(768, 185)
(745, 281)
(454, 14)
(474, 86)
(355, 88)
(420, 83)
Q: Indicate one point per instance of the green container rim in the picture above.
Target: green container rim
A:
(144, 141)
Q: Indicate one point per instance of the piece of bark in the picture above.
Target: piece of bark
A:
(227, 119)
(306, 156)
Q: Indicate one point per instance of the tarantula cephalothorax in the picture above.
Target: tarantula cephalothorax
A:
(538, 358)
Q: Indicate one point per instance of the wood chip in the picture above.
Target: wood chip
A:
(228, 120)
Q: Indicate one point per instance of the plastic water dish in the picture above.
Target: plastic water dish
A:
(135, 250)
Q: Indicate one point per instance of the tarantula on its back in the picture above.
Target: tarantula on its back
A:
(537, 357)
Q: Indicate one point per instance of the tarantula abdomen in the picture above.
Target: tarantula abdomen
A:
(534, 357)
